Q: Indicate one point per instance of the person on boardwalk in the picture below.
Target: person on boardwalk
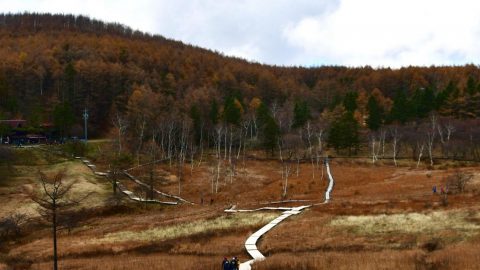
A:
(234, 264)
(434, 189)
(225, 264)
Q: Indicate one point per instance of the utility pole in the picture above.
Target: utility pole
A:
(85, 118)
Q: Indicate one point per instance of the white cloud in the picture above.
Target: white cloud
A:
(390, 33)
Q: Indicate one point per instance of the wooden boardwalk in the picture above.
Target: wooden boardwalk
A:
(251, 243)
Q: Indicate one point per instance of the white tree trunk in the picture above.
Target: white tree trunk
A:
(140, 139)
(309, 133)
(420, 154)
(383, 135)
(373, 142)
(286, 173)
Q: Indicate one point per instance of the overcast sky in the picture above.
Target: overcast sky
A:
(299, 32)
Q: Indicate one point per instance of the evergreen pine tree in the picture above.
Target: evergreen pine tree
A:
(232, 112)
(301, 114)
(428, 101)
(196, 119)
(271, 133)
(213, 114)
(350, 101)
(69, 75)
(343, 133)
(375, 114)
(415, 104)
(399, 112)
(63, 118)
(269, 129)
(471, 86)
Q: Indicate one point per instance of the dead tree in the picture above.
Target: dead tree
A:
(382, 137)
(218, 143)
(415, 138)
(319, 147)
(53, 200)
(192, 154)
(431, 131)
(117, 163)
(170, 148)
(395, 135)
(374, 146)
(287, 148)
(445, 132)
(286, 173)
(141, 131)
(212, 170)
(420, 147)
(200, 144)
(310, 148)
(182, 153)
(153, 159)
(120, 125)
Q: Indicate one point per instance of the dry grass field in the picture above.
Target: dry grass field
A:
(381, 217)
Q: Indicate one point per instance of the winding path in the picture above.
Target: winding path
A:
(331, 183)
(251, 243)
(179, 199)
(129, 193)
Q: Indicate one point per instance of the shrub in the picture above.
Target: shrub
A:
(12, 225)
(457, 182)
(75, 148)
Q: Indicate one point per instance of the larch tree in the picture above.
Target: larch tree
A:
(54, 199)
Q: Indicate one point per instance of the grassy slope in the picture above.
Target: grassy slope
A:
(29, 161)
(352, 232)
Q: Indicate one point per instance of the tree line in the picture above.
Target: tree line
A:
(57, 65)
(224, 133)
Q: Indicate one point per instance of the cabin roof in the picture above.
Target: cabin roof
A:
(14, 123)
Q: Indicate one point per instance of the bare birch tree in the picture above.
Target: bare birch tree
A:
(120, 124)
(310, 148)
(445, 129)
(375, 146)
(395, 138)
(431, 131)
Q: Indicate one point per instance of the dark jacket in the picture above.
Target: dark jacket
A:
(225, 265)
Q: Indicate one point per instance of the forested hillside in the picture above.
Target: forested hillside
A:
(54, 66)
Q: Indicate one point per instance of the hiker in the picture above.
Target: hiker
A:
(225, 264)
(434, 189)
(234, 264)
(442, 191)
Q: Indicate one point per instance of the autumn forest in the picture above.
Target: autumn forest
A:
(143, 86)
(121, 149)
